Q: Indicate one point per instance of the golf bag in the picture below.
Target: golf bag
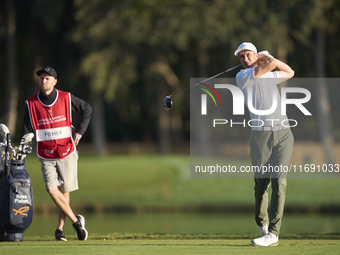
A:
(16, 193)
(16, 202)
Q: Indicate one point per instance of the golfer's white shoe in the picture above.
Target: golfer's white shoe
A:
(266, 240)
(263, 230)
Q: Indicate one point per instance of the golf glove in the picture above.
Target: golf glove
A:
(265, 52)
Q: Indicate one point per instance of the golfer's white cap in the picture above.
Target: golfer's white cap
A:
(245, 46)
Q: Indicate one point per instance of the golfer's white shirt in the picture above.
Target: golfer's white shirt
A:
(260, 94)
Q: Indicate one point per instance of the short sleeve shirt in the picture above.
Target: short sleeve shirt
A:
(261, 96)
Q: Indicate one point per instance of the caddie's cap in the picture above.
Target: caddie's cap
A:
(245, 46)
(48, 70)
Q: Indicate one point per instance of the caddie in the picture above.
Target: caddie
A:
(49, 116)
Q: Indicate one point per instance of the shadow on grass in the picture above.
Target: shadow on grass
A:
(160, 236)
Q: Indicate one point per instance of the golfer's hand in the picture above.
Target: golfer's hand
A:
(262, 58)
(265, 52)
(77, 139)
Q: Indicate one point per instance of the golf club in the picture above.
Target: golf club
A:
(167, 101)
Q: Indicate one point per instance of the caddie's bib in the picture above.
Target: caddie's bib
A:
(52, 125)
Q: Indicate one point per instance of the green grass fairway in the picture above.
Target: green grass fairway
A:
(169, 246)
(164, 180)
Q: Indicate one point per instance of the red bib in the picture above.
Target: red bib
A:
(52, 125)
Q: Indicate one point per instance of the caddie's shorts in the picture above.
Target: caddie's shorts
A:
(61, 172)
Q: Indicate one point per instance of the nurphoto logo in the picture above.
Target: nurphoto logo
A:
(238, 105)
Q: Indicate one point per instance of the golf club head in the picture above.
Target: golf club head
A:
(167, 103)
(27, 138)
(3, 130)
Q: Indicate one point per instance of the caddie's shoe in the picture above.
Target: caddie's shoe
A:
(79, 226)
(263, 230)
(266, 240)
(59, 235)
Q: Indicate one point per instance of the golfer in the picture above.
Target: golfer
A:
(48, 115)
(271, 142)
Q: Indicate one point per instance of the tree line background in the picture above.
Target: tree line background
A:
(125, 56)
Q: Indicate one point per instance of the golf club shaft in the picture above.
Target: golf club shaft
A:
(197, 83)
